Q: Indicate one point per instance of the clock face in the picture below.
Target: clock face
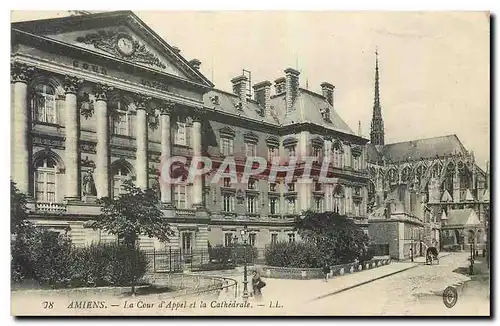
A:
(125, 45)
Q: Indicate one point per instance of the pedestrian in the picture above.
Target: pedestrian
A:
(326, 272)
(257, 285)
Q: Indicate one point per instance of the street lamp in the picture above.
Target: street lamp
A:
(244, 237)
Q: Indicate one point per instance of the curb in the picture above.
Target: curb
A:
(363, 283)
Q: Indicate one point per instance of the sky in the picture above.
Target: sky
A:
(434, 67)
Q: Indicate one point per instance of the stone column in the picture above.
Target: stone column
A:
(196, 141)
(141, 160)
(102, 153)
(166, 150)
(72, 130)
(20, 75)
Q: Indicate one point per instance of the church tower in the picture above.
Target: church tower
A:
(377, 126)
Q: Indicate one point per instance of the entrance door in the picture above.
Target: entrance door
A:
(187, 242)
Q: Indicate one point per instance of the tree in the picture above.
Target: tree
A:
(337, 237)
(18, 210)
(133, 213)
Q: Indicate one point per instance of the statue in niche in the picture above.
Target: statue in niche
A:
(88, 184)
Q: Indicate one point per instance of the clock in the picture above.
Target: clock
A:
(125, 45)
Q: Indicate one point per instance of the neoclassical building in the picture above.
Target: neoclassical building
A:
(98, 99)
(424, 192)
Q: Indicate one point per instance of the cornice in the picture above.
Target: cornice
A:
(122, 84)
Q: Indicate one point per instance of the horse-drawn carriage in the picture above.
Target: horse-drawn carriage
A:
(431, 256)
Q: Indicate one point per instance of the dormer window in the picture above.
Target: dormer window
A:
(227, 182)
(291, 187)
(272, 187)
(252, 184)
(325, 114)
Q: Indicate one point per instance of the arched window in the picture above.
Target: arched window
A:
(44, 104)
(121, 118)
(120, 174)
(45, 180)
(339, 200)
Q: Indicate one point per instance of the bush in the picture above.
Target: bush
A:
(219, 254)
(368, 255)
(51, 260)
(213, 267)
(294, 254)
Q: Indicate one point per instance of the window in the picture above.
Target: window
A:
(251, 149)
(272, 152)
(317, 153)
(251, 184)
(357, 209)
(290, 151)
(227, 146)
(228, 203)
(318, 205)
(180, 136)
(251, 239)
(227, 182)
(337, 155)
(291, 187)
(252, 204)
(187, 242)
(228, 239)
(45, 176)
(338, 200)
(44, 104)
(291, 237)
(119, 178)
(274, 238)
(355, 162)
(180, 196)
(274, 206)
(272, 187)
(120, 118)
(317, 186)
(291, 205)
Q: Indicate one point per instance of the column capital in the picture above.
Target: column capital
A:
(167, 107)
(101, 92)
(20, 72)
(141, 101)
(198, 114)
(71, 84)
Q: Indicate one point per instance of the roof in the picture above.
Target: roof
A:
(307, 109)
(462, 217)
(373, 154)
(424, 148)
(227, 103)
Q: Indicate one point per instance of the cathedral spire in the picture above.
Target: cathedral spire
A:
(377, 126)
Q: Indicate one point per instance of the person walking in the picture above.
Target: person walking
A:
(257, 285)
(326, 272)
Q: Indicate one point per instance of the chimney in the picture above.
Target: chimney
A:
(240, 87)
(262, 94)
(327, 90)
(291, 87)
(195, 63)
(279, 85)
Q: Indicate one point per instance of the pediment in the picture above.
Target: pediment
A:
(121, 35)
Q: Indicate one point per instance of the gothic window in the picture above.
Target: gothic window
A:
(180, 132)
(120, 174)
(45, 180)
(436, 170)
(44, 104)
(392, 176)
(405, 174)
(339, 200)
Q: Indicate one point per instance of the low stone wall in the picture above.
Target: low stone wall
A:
(317, 273)
(188, 284)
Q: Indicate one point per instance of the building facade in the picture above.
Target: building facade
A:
(99, 99)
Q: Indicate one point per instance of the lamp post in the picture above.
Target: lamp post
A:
(244, 237)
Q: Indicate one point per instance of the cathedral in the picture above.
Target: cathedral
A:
(98, 99)
(423, 193)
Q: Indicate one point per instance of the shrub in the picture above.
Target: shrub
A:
(213, 267)
(367, 255)
(219, 254)
(294, 254)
